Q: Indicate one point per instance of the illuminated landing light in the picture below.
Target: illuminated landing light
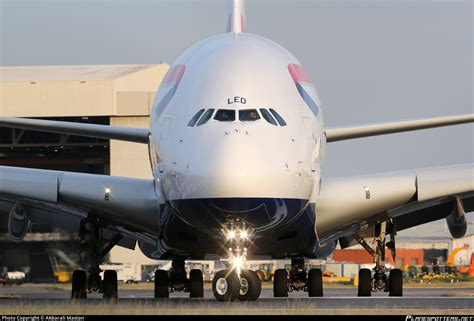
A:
(231, 234)
(244, 234)
(237, 264)
(107, 193)
(238, 261)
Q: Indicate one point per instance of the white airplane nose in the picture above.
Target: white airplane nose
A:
(237, 178)
(240, 166)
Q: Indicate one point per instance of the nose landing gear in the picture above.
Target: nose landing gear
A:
(226, 285)
(236, 282)
(250, 286)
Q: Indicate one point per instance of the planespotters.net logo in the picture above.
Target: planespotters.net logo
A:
(438, 318)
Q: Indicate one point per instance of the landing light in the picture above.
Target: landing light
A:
(231, 234)
(107, 193)
(237, 262)
(237, 234)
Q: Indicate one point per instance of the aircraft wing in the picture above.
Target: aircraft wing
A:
(351, 132)
(406, 198)
(135, 135)
(122, 206)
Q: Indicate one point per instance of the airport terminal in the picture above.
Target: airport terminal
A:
(123, 95)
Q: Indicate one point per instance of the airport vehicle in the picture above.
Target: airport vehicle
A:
(12, 278)
(236, 143)
(452, 255)
(126, 273)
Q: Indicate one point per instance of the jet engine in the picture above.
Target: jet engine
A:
(456, 221)
(18, 222)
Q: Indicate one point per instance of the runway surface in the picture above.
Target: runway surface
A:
(27, 299)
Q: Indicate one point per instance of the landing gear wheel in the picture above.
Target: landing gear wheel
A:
(365, 283)
(250, 286)
(196, 284)
(109, 285)
(162, 282)
(226, 285)
(315, 283)
(79, 281)
(395, 283)
(280, 284)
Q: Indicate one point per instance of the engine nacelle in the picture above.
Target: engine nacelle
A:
(18, 222)
(456, 221)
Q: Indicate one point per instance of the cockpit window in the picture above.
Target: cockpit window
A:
(267, 116)
(248, 115)
(195, 118)
(205, 118)
(279, 119)
(225, 115)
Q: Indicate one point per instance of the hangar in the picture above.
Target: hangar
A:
(120, 95)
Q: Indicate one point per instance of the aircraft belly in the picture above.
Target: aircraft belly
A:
(283, 227)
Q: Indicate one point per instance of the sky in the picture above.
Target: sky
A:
(371, 61)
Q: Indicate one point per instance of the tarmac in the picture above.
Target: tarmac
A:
(37, 299)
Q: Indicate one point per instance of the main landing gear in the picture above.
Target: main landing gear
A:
(92, 251)
(298, 280)
(379, 280)
(176, 280)
(236, 282)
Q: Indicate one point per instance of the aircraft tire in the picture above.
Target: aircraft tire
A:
(162, 283)
(196, 284)
(315, 283)
(79, 285)
(395, 283)
(226, 286)
(365, 283)
(109, 285)
(250, 286)
(280, 284)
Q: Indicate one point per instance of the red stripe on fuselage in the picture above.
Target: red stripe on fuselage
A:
(174, 74)
(243, 27)
(297, 73)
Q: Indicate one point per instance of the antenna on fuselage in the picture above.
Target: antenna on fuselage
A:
(236, 16)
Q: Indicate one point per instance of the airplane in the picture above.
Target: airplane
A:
(236, 145)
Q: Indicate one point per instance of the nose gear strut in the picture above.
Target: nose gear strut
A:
(237, 235)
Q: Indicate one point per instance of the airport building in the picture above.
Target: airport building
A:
(416, 251)
(120, 95)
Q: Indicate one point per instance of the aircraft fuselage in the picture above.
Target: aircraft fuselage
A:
(237, 132)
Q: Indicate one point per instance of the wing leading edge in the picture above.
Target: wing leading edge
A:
(352, 132)
(135, 135)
